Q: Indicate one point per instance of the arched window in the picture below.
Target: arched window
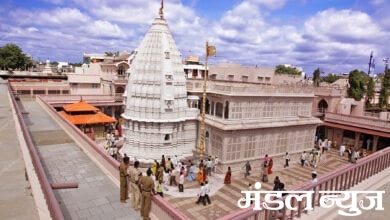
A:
(322, 106)
(120, 90)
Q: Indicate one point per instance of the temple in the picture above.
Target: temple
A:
(87, 117)
(157, 116)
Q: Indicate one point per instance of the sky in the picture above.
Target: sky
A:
(336, 36)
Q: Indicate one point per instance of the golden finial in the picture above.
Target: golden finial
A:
(161, 12)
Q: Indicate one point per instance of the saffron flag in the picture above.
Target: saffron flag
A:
(211, 51)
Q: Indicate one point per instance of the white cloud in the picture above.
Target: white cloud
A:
(345, 26)
(104, 29)
(271, 4)
(32, 29)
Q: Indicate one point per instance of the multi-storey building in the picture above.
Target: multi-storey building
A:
(246, 118)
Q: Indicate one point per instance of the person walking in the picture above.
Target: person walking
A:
(146, 186)
(209, 165)
(172, 177)
(201, 195)
(159, 188)
(124, 193)
(207, 192)
(228, 176)
(265, 173)
(135, 193)
(270, 165)
(248, 168)
(181, 181)
(287, 159)
(313, 179)
(342, 150)
(303, 158)
(276, 183)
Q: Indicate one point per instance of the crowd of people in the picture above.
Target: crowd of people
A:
(162, 173)
(173, 172)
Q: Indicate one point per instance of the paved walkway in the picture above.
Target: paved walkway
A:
(224, 197)
(16, 200)
(97, 197)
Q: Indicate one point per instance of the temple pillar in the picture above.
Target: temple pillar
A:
(375, 143)
(357, 139)
(112, 111)
(223, 110)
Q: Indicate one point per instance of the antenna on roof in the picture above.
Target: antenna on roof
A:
(161, 12)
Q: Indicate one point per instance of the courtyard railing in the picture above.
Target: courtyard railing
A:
(339, 180)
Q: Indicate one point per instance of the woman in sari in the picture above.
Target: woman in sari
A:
(270, 164)
(154, 167)
(200, 175)
(228, 176)
(191, 173)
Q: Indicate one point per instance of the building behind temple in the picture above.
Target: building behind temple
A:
(246, 117)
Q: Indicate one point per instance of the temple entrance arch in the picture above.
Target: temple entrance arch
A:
(120, 90)
(322, 106)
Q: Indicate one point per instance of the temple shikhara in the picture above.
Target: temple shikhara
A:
(157, 116)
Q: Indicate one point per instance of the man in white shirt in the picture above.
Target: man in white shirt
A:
(342, 150)
(175, 160)
(303, 158)
(208, 166)
(181, 181)
(313, 179)
(201, 196)
(207, 191)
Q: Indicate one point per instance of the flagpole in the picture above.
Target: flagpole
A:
(203, 114)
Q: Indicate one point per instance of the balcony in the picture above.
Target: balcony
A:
(358, 121)
(248, 89)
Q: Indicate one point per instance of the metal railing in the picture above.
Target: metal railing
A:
(342, 179)
(358, 121)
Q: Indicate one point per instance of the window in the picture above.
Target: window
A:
(230, 77)
(95, 85)
(166, 54)
(244, 78)
(169, 103)
(260, 79)
(169, 77)
(249, 150)
(216, 145)
(167, 137)
(233, 148)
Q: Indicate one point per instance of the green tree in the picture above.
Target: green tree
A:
(317, 77)
(282, 69)
(357, 84)
(12, 57)
(331, 78)
(384, 93)
(370, 91)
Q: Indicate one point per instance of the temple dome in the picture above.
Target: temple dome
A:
(157, 72)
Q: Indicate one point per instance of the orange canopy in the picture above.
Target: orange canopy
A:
(80, 106)
(96, 118)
